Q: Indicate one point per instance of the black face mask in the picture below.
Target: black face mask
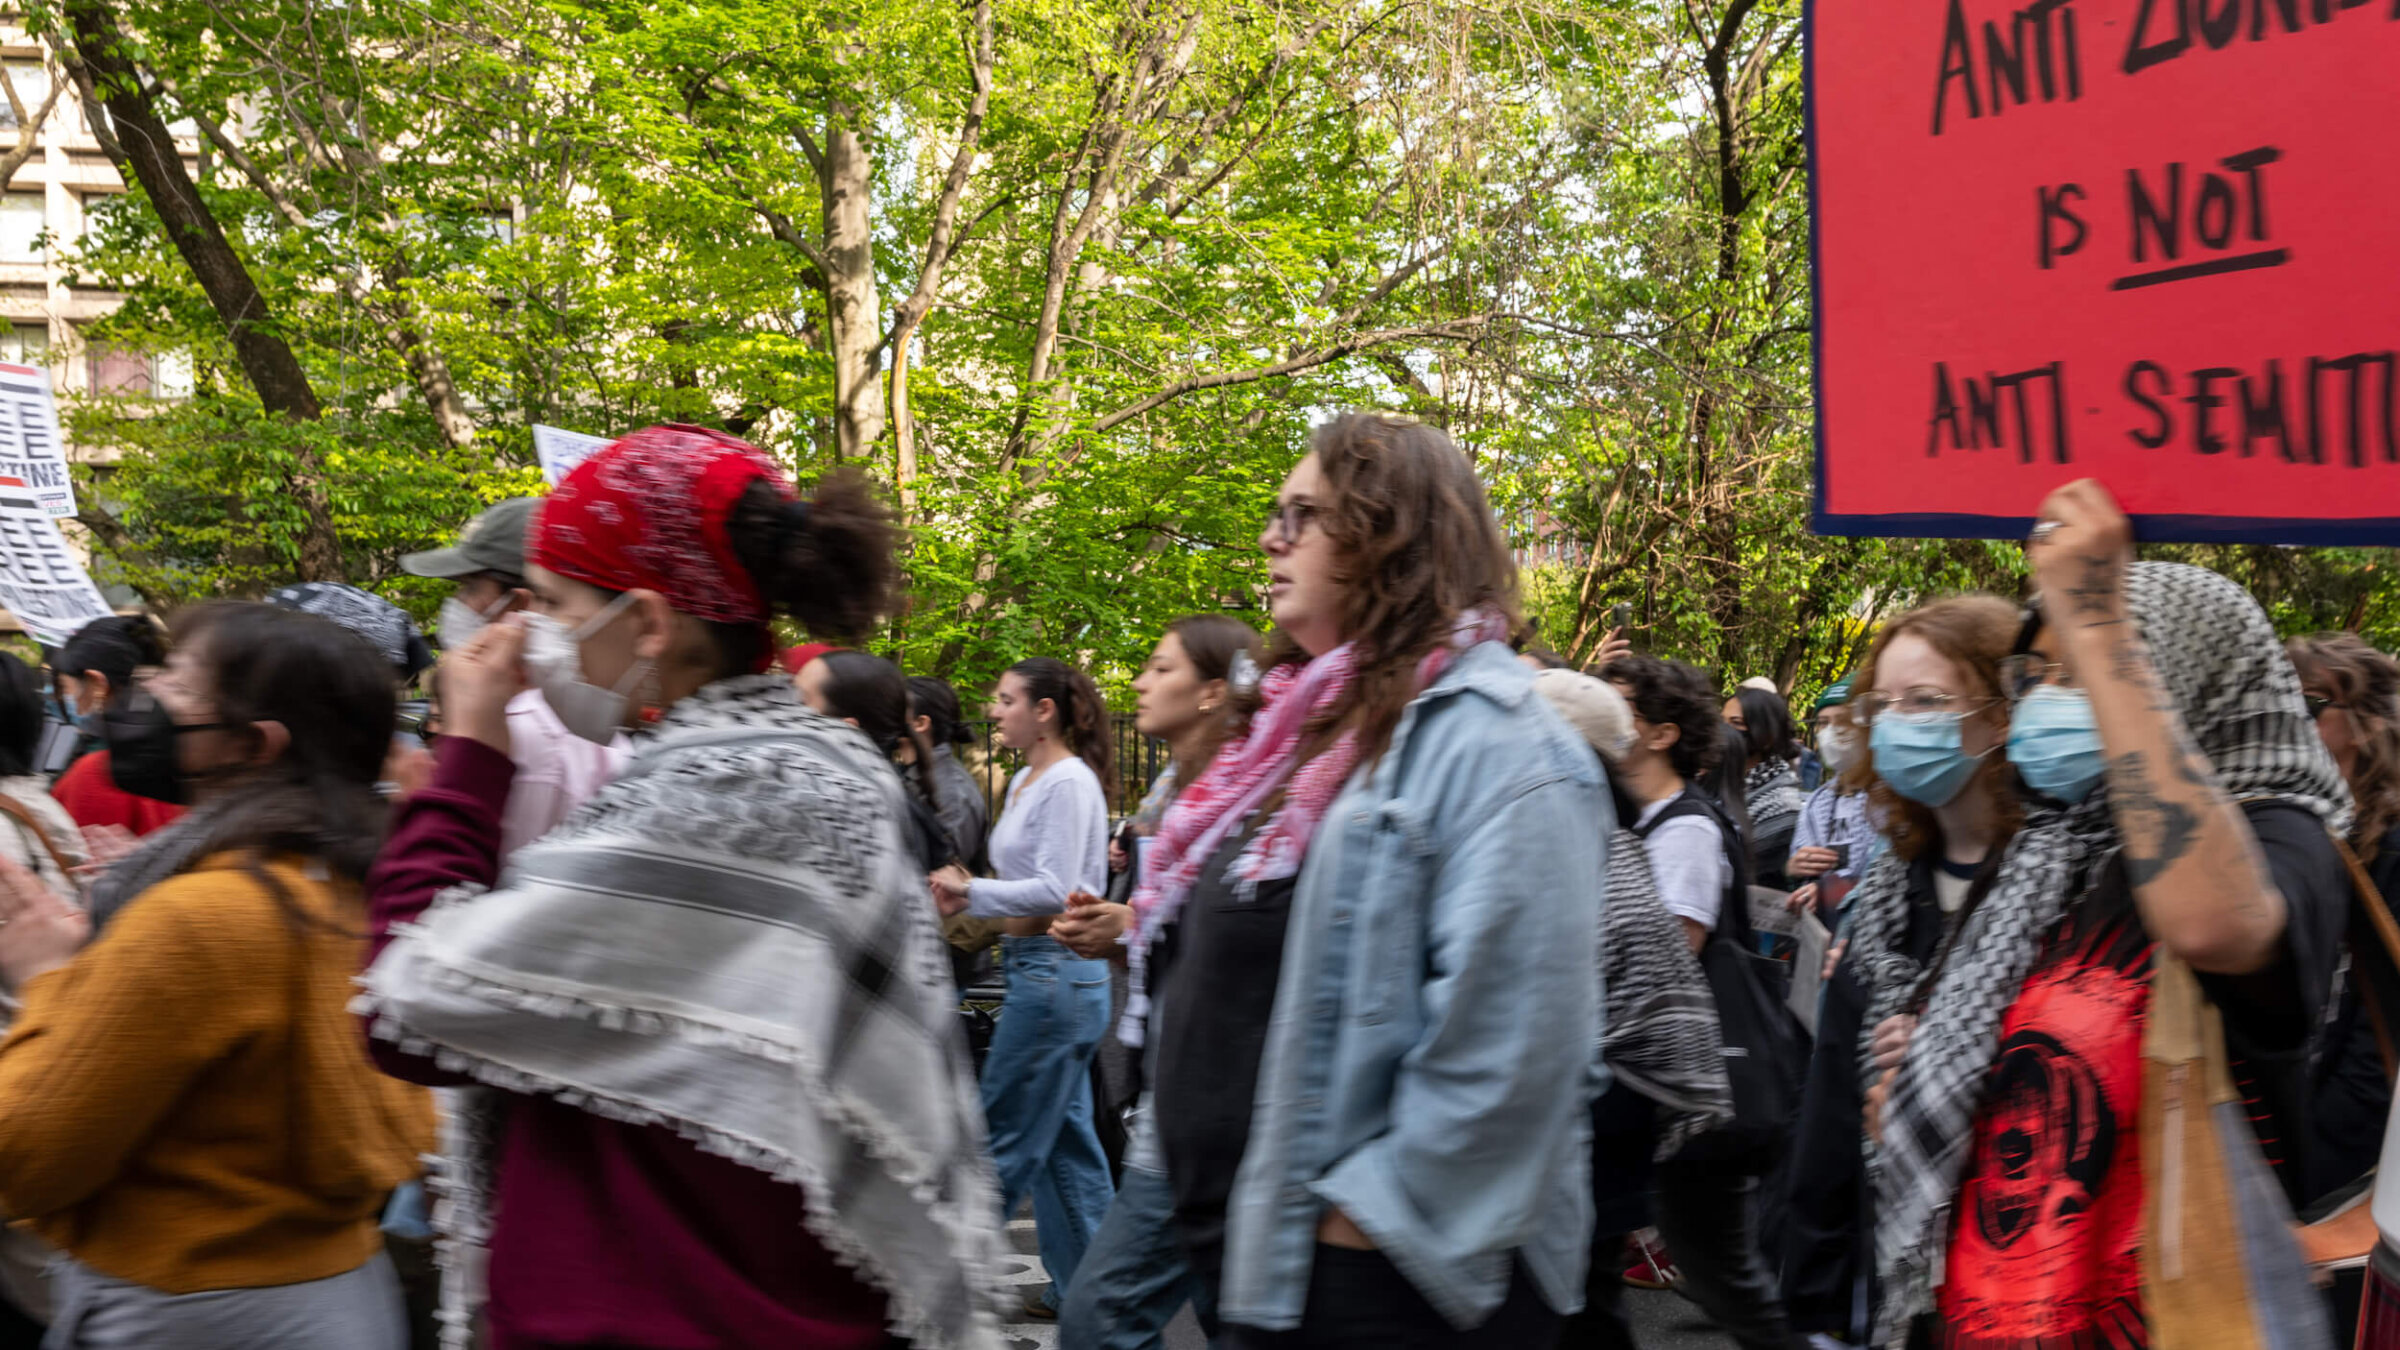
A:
(144, 756)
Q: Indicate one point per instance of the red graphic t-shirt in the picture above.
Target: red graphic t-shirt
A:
(2045, 1247)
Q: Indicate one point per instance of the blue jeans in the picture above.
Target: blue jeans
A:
(1037, 1097)
(1138, 1279)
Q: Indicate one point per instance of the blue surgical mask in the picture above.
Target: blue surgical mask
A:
(1919, 755)
(2055, 744)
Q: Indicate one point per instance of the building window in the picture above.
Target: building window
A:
(171, 375)
(118, 371)
(121, 372)
(25, 344)
(176, 126)
(93, 204)
(21, 226)
(33, 85)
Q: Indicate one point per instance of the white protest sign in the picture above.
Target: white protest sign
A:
(40, 580)
(560, 451)
(33, 456)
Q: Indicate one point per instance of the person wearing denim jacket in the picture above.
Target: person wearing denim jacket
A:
(1385, 1142)
(1429, 1063)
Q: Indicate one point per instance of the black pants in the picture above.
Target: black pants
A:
(1361, 1301)
(1624, 1134)
(1602, 1325)
(1708, 1214)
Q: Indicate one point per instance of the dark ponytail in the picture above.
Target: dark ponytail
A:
(828, 562)
(1081, 716)
(115, 646)
(871, 692)
(937, 702)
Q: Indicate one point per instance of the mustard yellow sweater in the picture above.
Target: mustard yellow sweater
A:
(188, 1104)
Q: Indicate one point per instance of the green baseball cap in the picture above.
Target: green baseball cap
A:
(1836, 694)
(492, 542)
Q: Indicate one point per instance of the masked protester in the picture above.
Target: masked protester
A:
(557, 770)
(2178, 805)
(38, 836)
(186, 1110)
(1136, 1278)
(2352, 692)
(1375, 1025)
(94, 673)
(1051, 842)
(1835, 838)
(728, 1134)
(1665, 1058)
(1770, 779)
(1709, 1194)
(1934, 703)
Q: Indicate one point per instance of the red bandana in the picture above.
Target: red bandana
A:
(796, 659)
(649, 513)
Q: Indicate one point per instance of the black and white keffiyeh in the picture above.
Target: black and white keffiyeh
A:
(1661, 1036)
(729, 941)
(1771, 795)
(1878, 924)
(381, 624)
(2240, 698)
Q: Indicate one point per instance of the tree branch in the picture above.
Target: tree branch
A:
(942, 238)
(29, 129)
(1450, 331)
(784, 230)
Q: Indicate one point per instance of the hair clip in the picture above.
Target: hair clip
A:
(1242, 677)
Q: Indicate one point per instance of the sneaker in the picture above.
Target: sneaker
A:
(1037, 1305)
(1652, 1267)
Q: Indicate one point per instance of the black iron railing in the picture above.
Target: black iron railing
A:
(1139, 759)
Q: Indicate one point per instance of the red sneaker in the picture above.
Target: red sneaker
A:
(1652, 1267)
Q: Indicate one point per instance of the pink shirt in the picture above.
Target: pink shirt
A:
(557, 771)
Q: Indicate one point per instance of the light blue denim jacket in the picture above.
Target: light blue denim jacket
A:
(1429, 1063)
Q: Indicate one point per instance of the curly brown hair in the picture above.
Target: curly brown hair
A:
(1975, 633)
(1417, 547)
(2366, 683)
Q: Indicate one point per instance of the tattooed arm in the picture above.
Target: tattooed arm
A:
(2197, 873)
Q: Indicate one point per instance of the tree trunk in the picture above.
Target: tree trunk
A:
(144, 151)
(855, 315)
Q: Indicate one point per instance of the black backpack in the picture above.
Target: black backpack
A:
(1766, 1051)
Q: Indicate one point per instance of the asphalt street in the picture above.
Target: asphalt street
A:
(1661, 1321)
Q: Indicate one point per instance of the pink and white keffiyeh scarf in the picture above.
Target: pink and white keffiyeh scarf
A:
(1246, 771)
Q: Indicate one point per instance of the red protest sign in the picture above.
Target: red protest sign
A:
(2153, 242)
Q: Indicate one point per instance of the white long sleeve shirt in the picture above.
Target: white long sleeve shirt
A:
(1052, 838)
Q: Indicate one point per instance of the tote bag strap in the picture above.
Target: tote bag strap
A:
(2221, 1266)
(24, 816)
(2374, 957)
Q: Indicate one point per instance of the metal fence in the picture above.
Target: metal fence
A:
(1139, 759)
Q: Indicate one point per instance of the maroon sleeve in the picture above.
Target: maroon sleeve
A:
(444, 834)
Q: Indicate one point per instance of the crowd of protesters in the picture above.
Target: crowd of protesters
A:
(617, 958)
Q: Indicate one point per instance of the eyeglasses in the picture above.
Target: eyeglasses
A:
(1915, 703)
(1291, 520)
(2318, 703)
(2026, 671)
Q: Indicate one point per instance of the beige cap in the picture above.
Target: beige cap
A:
(1761, 682)
(1596, 711)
